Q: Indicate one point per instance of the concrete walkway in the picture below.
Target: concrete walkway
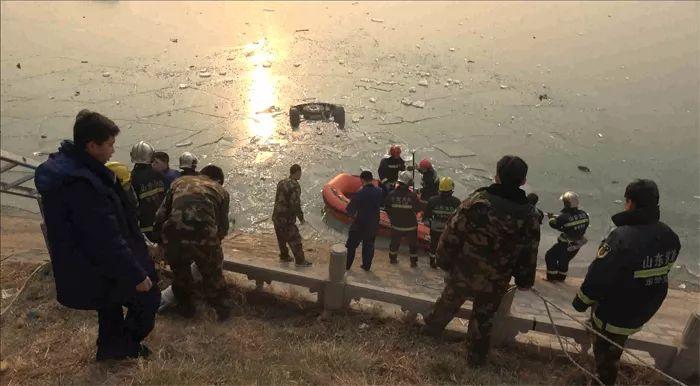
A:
(666, 326)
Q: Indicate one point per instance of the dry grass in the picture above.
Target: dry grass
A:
(276, 340)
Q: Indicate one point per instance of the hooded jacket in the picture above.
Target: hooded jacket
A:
(628, 280)
(97, 251)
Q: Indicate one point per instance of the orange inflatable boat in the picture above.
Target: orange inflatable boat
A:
(335, 195)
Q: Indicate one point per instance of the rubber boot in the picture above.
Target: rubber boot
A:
(393, 258)
(433, 262)
(414, 261)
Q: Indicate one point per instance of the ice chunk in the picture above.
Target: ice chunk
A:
(183, 86)
(106, 74)
(377, 20)
(406, 101)
(423, 82)
(419, 104)
(204, 74)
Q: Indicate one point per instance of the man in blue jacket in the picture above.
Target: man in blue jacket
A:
(99, 256)
(364, 208)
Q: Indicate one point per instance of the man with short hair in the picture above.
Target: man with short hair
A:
(191, 223)
(572, 222)
(148, 186)
(401, 205)
(533, 199)
(161, 164)
(99, 256)
(284, 216)
(628, 280)
(364, 210)
(493, 236)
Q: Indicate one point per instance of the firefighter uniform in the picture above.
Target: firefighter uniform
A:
(437, 213)
(494, 235)
(572, 222)
(389, 169)
(149, 187)
(429, 184)
(627, 282)
(402, 205)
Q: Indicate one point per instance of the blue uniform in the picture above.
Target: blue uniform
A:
(98, 254)
(169, 176)
(364, 207)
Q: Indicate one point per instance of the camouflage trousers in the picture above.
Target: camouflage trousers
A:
(480, 323)
(288, 234)
(607, 356)
(209, 260)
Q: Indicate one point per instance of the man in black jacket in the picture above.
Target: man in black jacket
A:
(99, 257)
(402, 205)
(438, 212)
(148, 184)
(389, 168)
(572, 222)
(628, 280)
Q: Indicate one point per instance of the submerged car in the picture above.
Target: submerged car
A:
(317, 111)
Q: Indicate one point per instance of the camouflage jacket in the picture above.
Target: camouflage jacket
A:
(494, 235)
(288, 201)
(195, 211)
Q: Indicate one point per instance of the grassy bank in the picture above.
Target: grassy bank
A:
(275, 340)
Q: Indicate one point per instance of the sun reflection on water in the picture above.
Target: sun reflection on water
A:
(262, 94)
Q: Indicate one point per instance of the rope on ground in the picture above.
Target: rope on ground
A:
(548, 302)
(24, 286)
(566, 352)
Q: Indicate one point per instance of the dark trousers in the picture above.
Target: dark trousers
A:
(209, 260)
(387, 187)
(607, 356)
(287, 233)
(411, 236)
(366, 237)
(557, 259)
(484, 308)
(119, 337)
(434, 241)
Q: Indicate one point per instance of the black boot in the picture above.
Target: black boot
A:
(393, 259)
(433, 262)
(414, 262)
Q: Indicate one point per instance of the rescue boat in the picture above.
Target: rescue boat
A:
(336, 193)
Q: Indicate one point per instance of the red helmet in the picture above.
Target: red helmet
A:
(395, 151)
(425, 164)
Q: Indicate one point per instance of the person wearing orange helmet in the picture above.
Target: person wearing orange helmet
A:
(389, 168)
(429, 180)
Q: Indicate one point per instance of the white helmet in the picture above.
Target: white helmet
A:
(142, 153)
(570, 199)
(405, 177)
(188, 161)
